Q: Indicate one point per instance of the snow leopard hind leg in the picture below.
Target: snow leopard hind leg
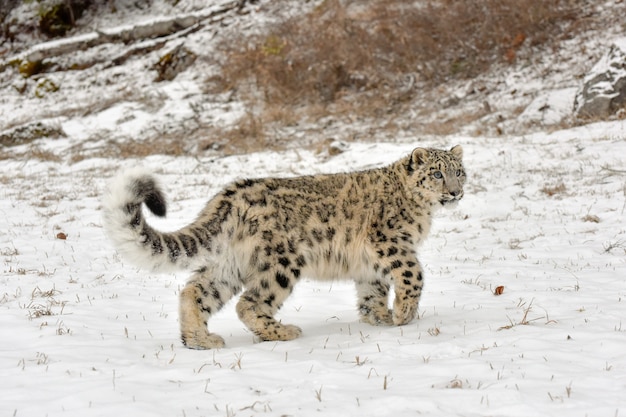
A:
(265, 295)
(203, 296)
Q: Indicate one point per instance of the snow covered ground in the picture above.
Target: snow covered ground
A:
(84, 334)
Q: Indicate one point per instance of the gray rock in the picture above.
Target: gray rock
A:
(604, 88)
(174, 62)
(29, 132)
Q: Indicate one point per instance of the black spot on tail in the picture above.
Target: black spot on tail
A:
(189, 244)
(156, 203)
(173, 247)
(146, 189)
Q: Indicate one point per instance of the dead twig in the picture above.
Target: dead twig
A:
(525, 321)
(613, 171)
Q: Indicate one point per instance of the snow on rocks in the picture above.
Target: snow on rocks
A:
(604, 88)
(549, 108)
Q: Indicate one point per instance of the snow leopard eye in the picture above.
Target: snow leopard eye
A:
(458, 172)
(438, 175)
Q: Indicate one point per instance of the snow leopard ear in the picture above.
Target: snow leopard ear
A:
(419, 156)
(457, 152)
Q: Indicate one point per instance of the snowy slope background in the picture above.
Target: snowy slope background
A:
(83, 333)
(106, 106)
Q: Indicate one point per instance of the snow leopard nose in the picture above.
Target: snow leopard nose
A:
(456, 193)
(455, 189)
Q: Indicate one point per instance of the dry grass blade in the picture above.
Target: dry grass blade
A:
(551, 191)
(524, 321)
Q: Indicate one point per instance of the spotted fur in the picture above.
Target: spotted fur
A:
(263, 235)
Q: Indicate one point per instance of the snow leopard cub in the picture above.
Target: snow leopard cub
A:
(264, 235)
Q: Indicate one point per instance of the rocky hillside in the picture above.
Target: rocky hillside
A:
(131, 80)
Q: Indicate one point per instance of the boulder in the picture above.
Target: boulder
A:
(29, 132)
(174, 62)
(603, 92)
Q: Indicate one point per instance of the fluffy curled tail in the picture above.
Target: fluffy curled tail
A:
(126, 225)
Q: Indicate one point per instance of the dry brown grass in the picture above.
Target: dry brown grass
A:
(553, 190)
(246, 136)
(128, 148)
(369, 58)
(32, 152)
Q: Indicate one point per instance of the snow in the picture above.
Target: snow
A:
(84, 333)
(601, 84)
(550, 108)
(610, 63)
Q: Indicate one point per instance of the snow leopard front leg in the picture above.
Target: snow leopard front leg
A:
(407, 276)
(373, 298)
(396, 263)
